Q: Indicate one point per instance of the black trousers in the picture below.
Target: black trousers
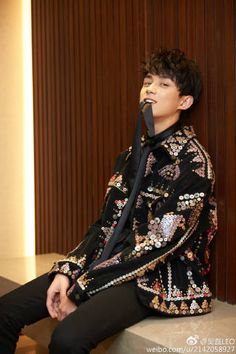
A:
(101, 316)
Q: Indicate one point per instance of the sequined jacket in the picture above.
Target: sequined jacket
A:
(165, 247)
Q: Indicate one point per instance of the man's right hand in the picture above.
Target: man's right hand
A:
(56, 295)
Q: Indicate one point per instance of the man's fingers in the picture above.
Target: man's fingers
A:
(65, 308)
(51, 303)
(56, 295)
(51, 310)
(63, 295)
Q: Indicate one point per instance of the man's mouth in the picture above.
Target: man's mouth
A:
(149, 100)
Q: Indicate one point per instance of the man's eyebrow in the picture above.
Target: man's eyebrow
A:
(165, 77)
(161, 76)
(148, 76)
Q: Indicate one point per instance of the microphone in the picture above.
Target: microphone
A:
(146, 109)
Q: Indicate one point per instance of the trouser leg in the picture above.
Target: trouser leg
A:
(105, 314)
(20, 307)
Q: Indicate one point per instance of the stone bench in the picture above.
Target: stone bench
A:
(214, 332)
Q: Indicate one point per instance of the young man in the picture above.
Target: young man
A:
(148, 252)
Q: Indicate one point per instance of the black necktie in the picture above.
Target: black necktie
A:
(136, 172)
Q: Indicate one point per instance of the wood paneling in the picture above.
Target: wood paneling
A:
(86, 69)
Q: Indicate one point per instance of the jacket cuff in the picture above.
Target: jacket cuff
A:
(76, 294)
(53, 273)
(67, 267)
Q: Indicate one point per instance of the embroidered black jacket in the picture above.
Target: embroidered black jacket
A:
(165, 244)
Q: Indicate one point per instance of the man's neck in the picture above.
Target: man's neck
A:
(164, 123)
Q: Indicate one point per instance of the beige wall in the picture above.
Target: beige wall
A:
(11, 130)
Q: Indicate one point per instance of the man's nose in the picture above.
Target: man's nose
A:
(151, 89)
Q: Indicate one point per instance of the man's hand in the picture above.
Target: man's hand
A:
(58, 304)
(65, 308)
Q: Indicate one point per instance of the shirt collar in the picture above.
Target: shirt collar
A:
(175, 142)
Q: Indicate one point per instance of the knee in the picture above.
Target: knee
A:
(64, 341)
(59, 342)
(6, 315)
(9, 318)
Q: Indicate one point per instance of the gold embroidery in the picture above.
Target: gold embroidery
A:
(155, 302)
(192, 308)
(163, 307)
(172, 307)
(183, 308)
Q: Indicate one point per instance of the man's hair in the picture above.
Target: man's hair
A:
(176, 66)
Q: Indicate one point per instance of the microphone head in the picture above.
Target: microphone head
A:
(146, 109)
(143, 106)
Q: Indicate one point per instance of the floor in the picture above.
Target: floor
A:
(28, 346)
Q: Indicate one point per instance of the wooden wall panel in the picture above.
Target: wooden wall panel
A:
(86, 72)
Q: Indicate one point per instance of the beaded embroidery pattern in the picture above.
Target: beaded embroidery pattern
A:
(117, 181)
(188, 201)
(145, 257)
(202, 164)
(170, 172)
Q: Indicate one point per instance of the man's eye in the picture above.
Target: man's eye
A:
(146, 83)
(164, 84)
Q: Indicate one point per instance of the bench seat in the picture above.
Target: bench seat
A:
(208, 333)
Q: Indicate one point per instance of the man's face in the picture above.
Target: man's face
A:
(163, 94)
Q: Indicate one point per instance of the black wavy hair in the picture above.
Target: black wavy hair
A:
(174, 64)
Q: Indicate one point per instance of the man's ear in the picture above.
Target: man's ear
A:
(185, 102)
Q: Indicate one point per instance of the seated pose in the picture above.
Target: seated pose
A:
(148, 254)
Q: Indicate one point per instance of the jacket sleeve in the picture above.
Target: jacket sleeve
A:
(77, 260)
(74, 263)
(183, 215)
